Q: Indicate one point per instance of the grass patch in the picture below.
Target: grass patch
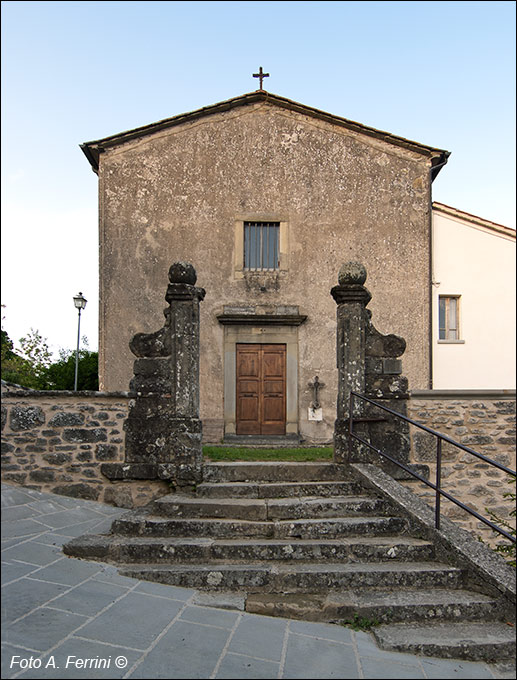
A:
(299, 454)
(361, 623)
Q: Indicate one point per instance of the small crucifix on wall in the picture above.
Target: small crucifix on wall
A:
(315, 386)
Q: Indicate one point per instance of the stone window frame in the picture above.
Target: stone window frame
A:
(283, 255)
(448, 340)
(263, 244)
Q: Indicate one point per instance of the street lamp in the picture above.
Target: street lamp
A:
(79, 303)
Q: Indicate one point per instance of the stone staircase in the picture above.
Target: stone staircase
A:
(304, 540)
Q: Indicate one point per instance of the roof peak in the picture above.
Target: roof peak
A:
(93, 149)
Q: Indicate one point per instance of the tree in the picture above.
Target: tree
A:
(15, 368)
(35, 351)
(60, 375)
(32, 366)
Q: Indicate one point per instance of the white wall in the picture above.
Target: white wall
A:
(478, 263)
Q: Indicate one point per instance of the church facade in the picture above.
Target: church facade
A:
(267, 198)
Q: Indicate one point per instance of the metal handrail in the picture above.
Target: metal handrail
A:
(439, 492)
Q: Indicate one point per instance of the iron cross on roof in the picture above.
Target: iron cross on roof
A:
(261, 75)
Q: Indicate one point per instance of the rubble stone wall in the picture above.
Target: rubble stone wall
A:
(57, 441)
(483, 421)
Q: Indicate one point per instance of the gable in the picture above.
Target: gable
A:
(437, 157)
(473, 221)
(262, 159)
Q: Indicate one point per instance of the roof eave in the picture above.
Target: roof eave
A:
(91, 154)
(93, 149)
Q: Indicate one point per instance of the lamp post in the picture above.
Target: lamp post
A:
(79, 303)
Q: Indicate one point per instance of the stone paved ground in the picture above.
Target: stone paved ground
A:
(77, 619)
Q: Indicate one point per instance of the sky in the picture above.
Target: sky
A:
(439, 73)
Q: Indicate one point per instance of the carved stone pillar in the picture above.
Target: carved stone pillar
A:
(163, 428)
(368, 364)
(351, 298)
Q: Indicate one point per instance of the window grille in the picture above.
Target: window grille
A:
(261, 245)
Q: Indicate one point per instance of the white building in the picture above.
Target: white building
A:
(473, 305)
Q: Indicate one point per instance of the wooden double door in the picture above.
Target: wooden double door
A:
(261, 389)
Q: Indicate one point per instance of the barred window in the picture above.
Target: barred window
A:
(448, 313)
(261, 245)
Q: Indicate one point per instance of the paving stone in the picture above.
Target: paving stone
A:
(12, 570)
(309, 658)
(109, 510)
(52, 538)
(23, 596)
(46, 506)
(76, 648)
(187, 650)
(103, 526)
(32, 552)
(322, 630)
(170, 592)
(19, 512)
(15, 540)
(259, 637)
(72, 503)
(385, 670)
(89, 598)
(10, 655)
(109, 574)
(22, 527)
(240, 666)
(67, 518)
(134, 621)
(75, 530)
(67, 571)
(44, 627)
(12, 496)
(212, 617)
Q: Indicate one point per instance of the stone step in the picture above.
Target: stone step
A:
(491, 641)
(276, 489)
(281, 471)
(270, 509)
(375, 605)
(144, 524)
(295, 577)
(208, 550)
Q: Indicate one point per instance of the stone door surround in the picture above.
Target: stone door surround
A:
(258, 325)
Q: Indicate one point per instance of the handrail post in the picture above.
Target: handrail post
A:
(438, 482)
(350, 420)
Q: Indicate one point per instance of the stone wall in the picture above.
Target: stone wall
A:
(57, 441)
(483, 421)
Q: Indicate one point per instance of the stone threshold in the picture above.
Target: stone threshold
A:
(253, 440)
